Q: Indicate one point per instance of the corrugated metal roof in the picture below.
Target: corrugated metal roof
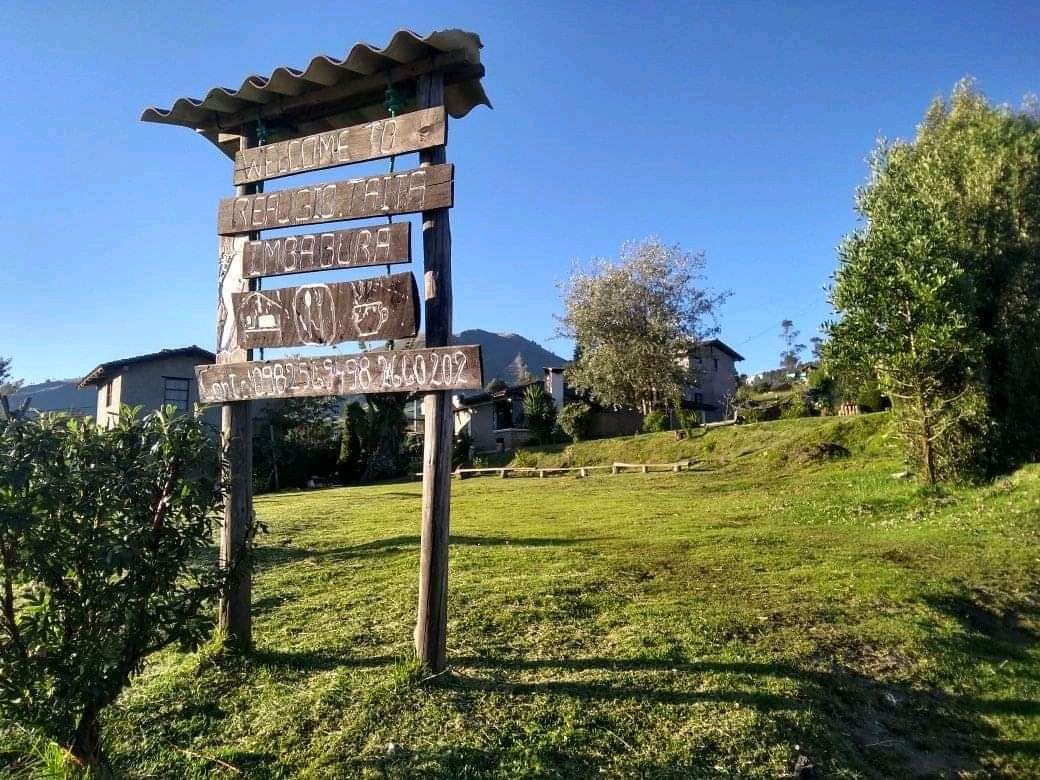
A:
(291, 101)
(103, 371)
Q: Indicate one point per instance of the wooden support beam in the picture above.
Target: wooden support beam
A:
(235, 613)
(432, 618)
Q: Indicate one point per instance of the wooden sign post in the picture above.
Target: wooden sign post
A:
(376, 308)
(235, 617)
(431, 626)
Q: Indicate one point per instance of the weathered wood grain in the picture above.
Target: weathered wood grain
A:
(372, 141)
(234, 615)
(404, 192)
(356, 248)
(382, 307)
(230, 280)
(431, 624)
(384, 371)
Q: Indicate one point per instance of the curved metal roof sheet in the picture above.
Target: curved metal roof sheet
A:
(294, 98)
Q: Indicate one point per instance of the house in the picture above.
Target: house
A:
(713, 366)
(150, 381)
(495, 420)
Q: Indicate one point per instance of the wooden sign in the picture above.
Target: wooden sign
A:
(405, 192)
(357, 248)
(372, 141)
(383, 307)
(392, 371)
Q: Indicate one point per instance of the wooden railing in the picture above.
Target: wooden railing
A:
(504, 472)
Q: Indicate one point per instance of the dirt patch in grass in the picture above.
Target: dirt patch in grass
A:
(820, 452)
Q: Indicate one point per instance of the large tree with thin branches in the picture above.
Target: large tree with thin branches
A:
(631, 320)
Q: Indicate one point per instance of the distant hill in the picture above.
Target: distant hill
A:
(57, 395)
(507, 356)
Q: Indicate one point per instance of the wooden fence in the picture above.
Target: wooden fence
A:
(504, 472)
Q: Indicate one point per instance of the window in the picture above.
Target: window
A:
(108, 393)
(716, 363)
(175, 392)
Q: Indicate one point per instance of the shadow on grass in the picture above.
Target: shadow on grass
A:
(885, 729)
(992, 631)
(894, 729)
(275, 555)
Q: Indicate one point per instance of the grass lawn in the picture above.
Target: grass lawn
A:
(771, 605)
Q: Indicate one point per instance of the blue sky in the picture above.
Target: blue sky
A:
(739, 129)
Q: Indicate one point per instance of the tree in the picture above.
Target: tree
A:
(295, 440)
(540, 413)
(103, 541)
(817, 348)
(792, 352)
(575, 419)
(632, 319)
(937, 293)
(385, 457)
(353, 434)
(7, 385)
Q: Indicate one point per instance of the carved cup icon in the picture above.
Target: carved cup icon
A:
(370, 317)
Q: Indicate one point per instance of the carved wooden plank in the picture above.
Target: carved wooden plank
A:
(393, 371)
(405, 192)
(372, 141)
(357, 248)
(230, 281)
(383, 307)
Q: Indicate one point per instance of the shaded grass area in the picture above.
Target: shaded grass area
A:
(720, 623)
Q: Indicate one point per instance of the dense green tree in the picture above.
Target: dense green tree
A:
(294, 440)
(938, 293)
(386, 427)
(7, 385)
(540, 413)
(103, 540)
(575, 418)
(632, 319)
(353, 434)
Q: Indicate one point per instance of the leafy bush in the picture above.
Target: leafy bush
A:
(655, 422)
(869, 398)
(575, 418)
(540, 412)
(524, 459)
(690, 421)
(102, 535)
(795, 408)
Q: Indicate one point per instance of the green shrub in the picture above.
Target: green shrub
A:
(794, 409)
(523, 459)
(869, 398)
(655, 422)
(690, 421)
(103, 533)
(575, 418)
(540, 413)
